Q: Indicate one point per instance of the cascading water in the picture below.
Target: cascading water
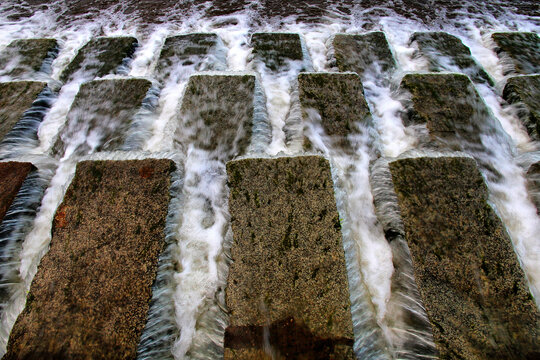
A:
(193, 269)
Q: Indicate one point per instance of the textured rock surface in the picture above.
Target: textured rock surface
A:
(215, 118)
(12, 175)
(339, 100)
(289, 268)
(198, 50)
(100, 57)
(360, 52)
(100, 116)
(275, 49)
(89, 298)
(446, 52)
(15, 98)
(533, 177)
(525, 91)
(521, 48)
(473, 288)
(23, 58)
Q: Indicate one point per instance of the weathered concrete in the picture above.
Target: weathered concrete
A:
(288, 271)
(15, 98)
(99, 57)
(12, 175)
(101, 115)
(275, 49)
(525, 91)
(25, 57)
(90, 296)
(217, 114)
(446, 52)
(360, 52)
(521, 49)
(198, 50)
(339, 100)
(533, 184)
(473, 288)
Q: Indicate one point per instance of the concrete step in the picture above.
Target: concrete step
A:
(99, 57)
(446, 52)
(287, 285)
(520, 49)
(358, 53)
(275, 49)
(90, 296)
(15, 98)
(100, 116)
(474, 291)
(524, 91)
(24, 58)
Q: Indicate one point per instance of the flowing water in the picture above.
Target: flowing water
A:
(187, 314)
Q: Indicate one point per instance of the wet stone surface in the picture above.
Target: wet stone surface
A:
(446, 52)
(100, 116)
(288, 275)
(90, 296)
(196, 50)
(533, 184)
(100, 57)
(275, 49)
(339, 100)
(12, 175)
(23, 58)
(358, 53)
(15, 98)
(522, 49)
(472, 286)
(525, 92)
(217, 114)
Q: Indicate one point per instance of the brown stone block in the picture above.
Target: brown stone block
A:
(90, 296)
(12, 175)
(274, 49)
(25, 57)
(473, 289)
(287, 291)
(525, 91)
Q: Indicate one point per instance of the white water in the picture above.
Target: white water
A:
(202, 232)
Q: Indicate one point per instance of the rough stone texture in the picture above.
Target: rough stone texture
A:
(90, 296)
(23, 58)
(288, 270)
(533, 185)
(101, 115)
(359, 52)
(12, 175)
(275, 49)
(339, 100)
(473, 288)
(217, 114)
(446, 52)
(15, 98)
(522, 49)
(188, 50)
(100, 57)
(525, 90)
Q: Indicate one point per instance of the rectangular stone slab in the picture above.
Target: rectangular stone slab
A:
(533, 184)
(356, 53)
(522, 48)
(15, 98)
(472, 286)
(12, 175)
(187, 50)
(288, 272)
(274, 49)
(434, 45)
(339, 100)
(217, 113)
(25, 57)
(99, 57)
(101, 115)
(90, 296)
(525, 91)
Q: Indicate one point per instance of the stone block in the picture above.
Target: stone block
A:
(521, 49)
(25, 57)
(275, 49)
(533, 185)
(525, 91)
(12, 175)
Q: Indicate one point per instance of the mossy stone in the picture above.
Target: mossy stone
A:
(474, 291)
(274, 49)
(288, 271)
(522, 49)
(29, 55)
(91, 293)
(525, 91)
